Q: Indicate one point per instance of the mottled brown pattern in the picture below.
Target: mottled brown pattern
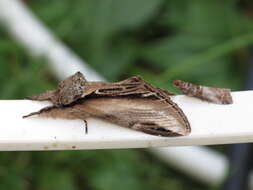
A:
(68, 91)
(215, 95)
(76, 87)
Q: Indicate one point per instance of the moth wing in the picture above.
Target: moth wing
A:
(132, 86)
(149, 115)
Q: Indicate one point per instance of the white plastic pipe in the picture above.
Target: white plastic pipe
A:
(201, 163)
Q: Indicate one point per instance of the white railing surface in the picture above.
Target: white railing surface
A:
(211, 124)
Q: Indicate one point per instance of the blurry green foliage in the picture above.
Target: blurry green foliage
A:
(176, 39)
(20, 74)
(199, 41)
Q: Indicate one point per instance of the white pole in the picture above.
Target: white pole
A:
(201, 163)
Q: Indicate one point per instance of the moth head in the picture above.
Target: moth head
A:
(71, 89)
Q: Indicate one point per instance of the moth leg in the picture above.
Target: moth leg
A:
(43, 96)
(86, 126)
(50, 95)
(39, 112)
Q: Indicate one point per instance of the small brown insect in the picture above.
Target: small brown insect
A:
(215, 95)
(131, 103)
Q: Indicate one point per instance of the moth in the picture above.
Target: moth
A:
(131, 103)
(214, 95)
(77, 87)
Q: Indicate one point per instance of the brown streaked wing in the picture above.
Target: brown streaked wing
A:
(149, 115)
(132, 86)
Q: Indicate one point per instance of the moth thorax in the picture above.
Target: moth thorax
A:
(71, 95)
(72, 89)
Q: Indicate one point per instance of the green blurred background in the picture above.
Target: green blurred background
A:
(206, 42)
